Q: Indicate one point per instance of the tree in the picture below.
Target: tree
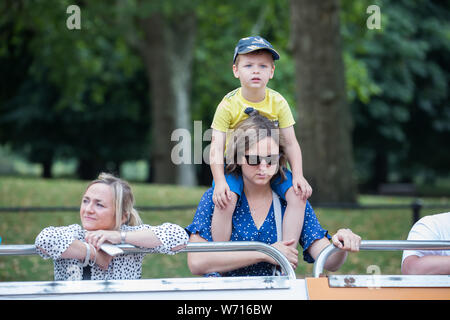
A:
(75, 94)
(324, 124)
(401, 128)
(167, 50)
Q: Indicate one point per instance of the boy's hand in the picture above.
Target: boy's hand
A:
(222, 195)
(285, 247)
(301, 187)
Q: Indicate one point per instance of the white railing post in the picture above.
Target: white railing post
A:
(383, 245)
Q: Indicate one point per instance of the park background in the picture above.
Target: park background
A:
(370, 94)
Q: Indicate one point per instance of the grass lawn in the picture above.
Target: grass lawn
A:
(22, 227)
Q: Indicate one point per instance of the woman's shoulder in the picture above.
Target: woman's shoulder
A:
(56, 234)
(205, 207)
(125, 227)
(206, 198)
(69, 228)
(201, 223)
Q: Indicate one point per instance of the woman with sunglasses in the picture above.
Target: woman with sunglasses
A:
(254, 153)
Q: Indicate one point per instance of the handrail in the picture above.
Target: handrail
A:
(30, 249)
(383, 245)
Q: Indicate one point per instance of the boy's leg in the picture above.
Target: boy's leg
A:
(295, 209)
(221, 224)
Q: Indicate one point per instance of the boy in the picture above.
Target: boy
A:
(253, 65)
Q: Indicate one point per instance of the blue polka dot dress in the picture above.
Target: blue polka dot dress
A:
(244, 229)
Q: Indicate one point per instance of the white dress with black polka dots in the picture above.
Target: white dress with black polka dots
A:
(55, 240)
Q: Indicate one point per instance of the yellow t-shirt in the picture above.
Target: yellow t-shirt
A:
(231, 110)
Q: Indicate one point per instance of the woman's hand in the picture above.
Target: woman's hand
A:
(103, 259)
(346, 240)
(98, 237)
(285, 247)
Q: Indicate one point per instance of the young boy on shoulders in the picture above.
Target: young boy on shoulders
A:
(253, 65)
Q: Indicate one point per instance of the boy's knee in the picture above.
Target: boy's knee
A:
(231, 205)
(293, 198)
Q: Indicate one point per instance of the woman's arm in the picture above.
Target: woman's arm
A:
(77, 250)
(166, 238)
(62, 243)
(52, 242)
(344, 239)
(206, 262)
(141, 238)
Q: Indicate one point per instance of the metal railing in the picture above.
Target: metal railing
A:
(416, 207)
(380, 245)
(286, 268)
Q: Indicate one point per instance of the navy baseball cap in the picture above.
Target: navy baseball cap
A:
(249, 44)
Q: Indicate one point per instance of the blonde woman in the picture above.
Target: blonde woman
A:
(107, 216)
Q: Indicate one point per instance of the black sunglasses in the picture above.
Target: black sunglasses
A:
(255, 160)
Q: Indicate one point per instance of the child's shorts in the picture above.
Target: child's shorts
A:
(236, 183)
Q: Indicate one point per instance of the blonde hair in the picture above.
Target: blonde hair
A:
(246, 134)
(123, 199)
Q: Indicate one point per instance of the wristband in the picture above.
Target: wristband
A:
(92, 263)
(88, 254)
(123, 234)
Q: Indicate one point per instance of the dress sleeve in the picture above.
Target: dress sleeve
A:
(311, 231)
(201, 223)
(170, 235)
(53, 241)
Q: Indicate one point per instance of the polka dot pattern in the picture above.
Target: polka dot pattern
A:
(244, 229)
(55, 240)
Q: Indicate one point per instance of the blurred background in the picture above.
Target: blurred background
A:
(370, 93)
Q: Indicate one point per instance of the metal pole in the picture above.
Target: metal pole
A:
(27, 249)
(383, 245)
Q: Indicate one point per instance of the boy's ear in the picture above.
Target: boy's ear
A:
(235, 71)
(273, 71)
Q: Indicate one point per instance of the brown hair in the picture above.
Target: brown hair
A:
(246, 134)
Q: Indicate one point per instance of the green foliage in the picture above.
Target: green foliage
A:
(23, 227)
(398, 83)
(82, 94)
(65, 93)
